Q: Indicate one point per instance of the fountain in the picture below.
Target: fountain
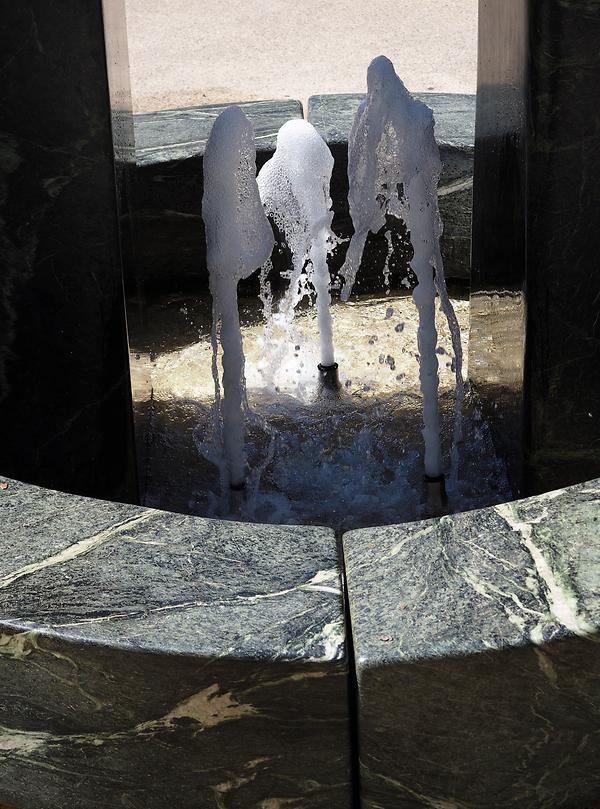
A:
(136, 642)
(394, 169)
(342, 446)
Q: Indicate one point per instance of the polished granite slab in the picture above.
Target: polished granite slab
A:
(151, 659)
(477, 647)
(333, 115)
(66, 141)
(180, 134)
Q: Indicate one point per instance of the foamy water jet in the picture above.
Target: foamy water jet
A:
(394, 168)
(239, 239)
(294, 188)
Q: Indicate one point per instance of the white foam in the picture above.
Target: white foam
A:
(294, 188)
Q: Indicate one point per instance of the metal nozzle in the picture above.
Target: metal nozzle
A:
(329, 381)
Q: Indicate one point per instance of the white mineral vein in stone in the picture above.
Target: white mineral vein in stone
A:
(516, 620)
(21, 742)
(487, 589)
(546, 666)
(484, 587)
(315, 584)
(104, 619)
(80, 548)
(239, 781)
(395, 549)
(455, 186)
(146, 542)
(300, 675)
(208, 708)
(562, 602)
(332, 638)
(321, 576)
(426, 800)
(470, 544)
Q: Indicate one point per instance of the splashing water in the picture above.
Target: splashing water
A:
(294, 188)
(394, 168)
(239, 239)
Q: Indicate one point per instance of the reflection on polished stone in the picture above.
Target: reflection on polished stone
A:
(496, 369)
(536, 232)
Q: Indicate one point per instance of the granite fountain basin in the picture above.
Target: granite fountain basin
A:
(150, 658)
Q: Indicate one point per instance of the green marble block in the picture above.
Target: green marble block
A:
(151, 659)
(477, 645)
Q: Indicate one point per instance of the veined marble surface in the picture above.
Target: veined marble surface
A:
(182, 133)
(151, 659)
(333, 116)
(477, 648)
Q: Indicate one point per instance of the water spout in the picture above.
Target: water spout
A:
(294, 188)
(239, 239)
(394, 168)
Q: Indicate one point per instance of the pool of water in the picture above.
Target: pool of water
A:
(345, 462)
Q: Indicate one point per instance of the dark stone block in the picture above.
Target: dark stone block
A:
(151, 659)
(535, 303)
(65, 400)
(477, 647)
(333, 115)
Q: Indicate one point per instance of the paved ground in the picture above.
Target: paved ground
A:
(187, 52)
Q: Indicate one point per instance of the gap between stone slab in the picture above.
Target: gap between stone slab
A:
(353, 711)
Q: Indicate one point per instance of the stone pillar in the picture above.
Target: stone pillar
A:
(66, 137)
(535, 303)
